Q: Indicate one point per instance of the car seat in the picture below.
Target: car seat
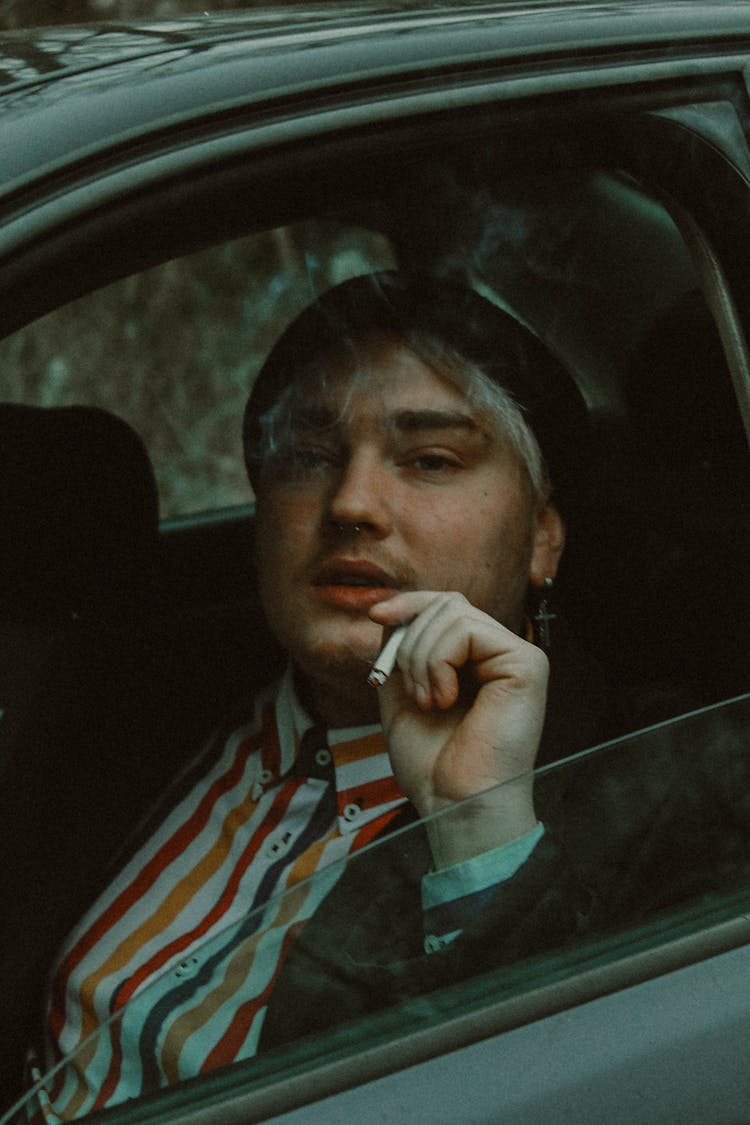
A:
(113, 671)
(78, 559)
(658, 571)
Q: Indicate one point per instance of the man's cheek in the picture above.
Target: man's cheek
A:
(293, 527)
(281, 538)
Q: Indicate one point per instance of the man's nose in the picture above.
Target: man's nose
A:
(362, 494)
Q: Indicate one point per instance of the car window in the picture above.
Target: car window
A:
(653, 844)
(173, 350)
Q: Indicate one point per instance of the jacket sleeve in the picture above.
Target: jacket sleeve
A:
(364, 950)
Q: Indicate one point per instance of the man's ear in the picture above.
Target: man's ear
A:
(549, 543)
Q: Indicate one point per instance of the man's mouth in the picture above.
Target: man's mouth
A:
(343, 578)
(354, 584)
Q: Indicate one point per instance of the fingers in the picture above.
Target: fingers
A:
(409, 614)
(446, 633)
(403, 608)
(434, 646)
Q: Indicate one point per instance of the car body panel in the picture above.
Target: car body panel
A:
(592, 1062)
(195, 76)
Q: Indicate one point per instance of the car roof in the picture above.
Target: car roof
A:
(34, 56)
(66, 90)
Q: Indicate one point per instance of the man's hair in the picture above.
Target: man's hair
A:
(503, 368)
(492, 400)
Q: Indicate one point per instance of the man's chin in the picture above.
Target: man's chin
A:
(332, 684)
(339, 655)
(341, 659)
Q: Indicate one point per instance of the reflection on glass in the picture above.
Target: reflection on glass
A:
(638, 839)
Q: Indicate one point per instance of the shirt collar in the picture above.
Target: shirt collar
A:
(365, 785)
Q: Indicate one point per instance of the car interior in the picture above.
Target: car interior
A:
(130, 623)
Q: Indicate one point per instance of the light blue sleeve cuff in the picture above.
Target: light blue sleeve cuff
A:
(479, 873)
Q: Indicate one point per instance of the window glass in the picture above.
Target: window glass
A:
(174, 350)
(644, 840)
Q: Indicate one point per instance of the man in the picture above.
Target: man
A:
(411, 447)
(385, 488)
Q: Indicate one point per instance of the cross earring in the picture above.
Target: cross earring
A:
(544, 617)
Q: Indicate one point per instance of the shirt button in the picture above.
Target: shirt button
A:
(323, 757)
(265, 777)
(351, 812)
(278, 846)
(187, 968)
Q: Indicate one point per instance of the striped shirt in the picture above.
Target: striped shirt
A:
(169, 974)
(184, 946)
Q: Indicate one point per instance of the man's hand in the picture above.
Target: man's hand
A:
(462, 713)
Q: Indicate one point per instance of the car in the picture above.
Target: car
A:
(171, 194)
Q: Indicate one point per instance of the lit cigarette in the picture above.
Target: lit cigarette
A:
(386, 661)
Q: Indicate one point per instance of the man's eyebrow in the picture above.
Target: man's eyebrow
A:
(320, 417)
(314, 417)
(434, 420)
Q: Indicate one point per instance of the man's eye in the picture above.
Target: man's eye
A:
(434, 462)
(308, 460)
(298, 462)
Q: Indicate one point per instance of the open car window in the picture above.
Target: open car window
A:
(652, 835)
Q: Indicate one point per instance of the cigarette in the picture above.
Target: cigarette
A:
(386, 661)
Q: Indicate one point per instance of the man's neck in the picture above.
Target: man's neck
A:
(337, 705)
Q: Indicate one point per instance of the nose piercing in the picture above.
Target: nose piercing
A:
(356, 527)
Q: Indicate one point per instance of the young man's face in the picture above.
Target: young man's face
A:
(391, 481)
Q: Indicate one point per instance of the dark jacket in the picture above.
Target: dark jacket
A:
(644, 824)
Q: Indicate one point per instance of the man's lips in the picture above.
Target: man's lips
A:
(354, 583)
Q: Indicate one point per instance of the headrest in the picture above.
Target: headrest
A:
(78, 510)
